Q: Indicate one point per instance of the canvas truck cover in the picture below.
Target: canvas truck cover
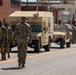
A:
(17, 14)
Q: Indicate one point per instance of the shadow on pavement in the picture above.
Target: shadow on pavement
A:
(55, 48)
(11, 68)
(33, 51)
(27, 51)
(14, 51)
(17, 52)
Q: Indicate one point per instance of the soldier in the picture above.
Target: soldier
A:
(2, 41)
(8, 38)
(73, 35)
(21, 34)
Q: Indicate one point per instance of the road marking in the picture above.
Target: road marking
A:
(38, 55)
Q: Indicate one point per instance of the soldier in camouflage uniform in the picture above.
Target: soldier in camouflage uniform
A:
(8, 38)
(21, 34)
(73, 35)
(2, 41)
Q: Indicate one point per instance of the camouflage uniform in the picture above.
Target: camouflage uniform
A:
(21, 34)
(2, 42)
(73, 35)
(8, 40)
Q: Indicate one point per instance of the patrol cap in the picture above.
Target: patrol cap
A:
(24, 18)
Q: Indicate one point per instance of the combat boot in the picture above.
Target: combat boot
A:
(19, 64)
(3, 57)
(23, 65)
(8, 55)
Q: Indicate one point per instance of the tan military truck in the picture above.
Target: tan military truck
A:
(41, 24)
(62, 35)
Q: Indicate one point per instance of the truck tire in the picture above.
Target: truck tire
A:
(47, 47)
(62, 43)
(37, 46)
(68, 44)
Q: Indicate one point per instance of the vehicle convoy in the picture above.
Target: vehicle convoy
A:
(41, 24)
(62, 35)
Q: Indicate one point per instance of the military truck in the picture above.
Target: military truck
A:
(62, 35)
(41, 24)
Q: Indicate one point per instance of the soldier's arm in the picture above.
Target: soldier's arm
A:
(15, 33)
(29, 30)
(4, 35)
(4, 32)
(30, 34)
(10, 34)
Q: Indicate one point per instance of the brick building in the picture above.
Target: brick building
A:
(9, 6)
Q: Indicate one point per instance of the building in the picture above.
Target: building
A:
(32, 6)
(68, 6)
(60, 6)
(9, 6)
(68, 2)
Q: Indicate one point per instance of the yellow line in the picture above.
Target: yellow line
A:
(38, 55)
(9, 60)
(50, 53)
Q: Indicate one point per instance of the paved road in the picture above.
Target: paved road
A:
(56, 62)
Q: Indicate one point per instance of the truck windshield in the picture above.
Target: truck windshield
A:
(59, 28)
(36, 28)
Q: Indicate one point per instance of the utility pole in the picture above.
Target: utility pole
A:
(27, 5)
(37, 7)
(48, 5)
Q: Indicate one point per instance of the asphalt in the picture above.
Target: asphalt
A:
(56, 62)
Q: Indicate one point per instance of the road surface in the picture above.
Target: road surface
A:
(56, 62)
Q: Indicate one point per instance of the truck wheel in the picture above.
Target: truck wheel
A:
(62, 43)
(47, 47)
(68, 44)
(37, 46)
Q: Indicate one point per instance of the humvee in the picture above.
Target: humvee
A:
(41, 24)
(62, 35)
